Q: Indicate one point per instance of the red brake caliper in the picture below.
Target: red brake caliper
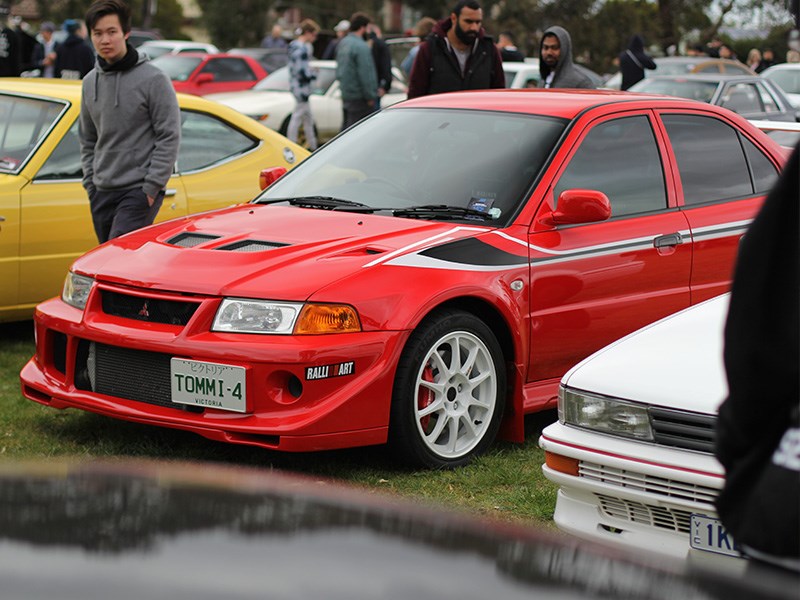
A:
(425, 396)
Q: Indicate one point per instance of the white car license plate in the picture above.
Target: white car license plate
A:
(207, 384)
(708, 534)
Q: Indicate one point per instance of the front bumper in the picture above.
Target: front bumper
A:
(628, 494)
(290, 406)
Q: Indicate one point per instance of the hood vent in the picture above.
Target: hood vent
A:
(190, 240)
(251, 246)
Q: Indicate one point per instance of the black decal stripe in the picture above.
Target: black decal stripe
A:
(471, 251)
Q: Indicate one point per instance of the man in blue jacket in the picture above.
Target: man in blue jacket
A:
(355, 70)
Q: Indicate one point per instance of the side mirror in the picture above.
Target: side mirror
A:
(204, 78)
(269, 176)
(579, 206)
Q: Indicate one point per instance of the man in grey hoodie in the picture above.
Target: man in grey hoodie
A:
(130, 127)
(556, 68)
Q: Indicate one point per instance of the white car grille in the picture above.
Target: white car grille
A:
(650, 514)
(646, 514)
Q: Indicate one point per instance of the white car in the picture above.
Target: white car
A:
(632, 449)
(156, 48)
(271, 102)
(787, 76)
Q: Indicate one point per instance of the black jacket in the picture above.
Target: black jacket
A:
(633, 62)
(436, 69)
(760, 503)
(74, 58)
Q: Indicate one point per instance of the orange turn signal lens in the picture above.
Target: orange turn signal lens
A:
(562, 464)
(318, 319)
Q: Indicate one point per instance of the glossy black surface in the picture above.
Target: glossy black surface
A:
(165, 530)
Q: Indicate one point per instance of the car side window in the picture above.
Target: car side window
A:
(710, 159)
(742, 98)
(325, 77)
(619, 158)
(205, 141)
(229, 69)
(769, 102)
(764, 172)
(65, 160)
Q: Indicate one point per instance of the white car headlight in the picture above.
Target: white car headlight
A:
(606, 415)
(239, 315)
(76, 290)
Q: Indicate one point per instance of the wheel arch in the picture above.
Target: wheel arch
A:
(512, 426)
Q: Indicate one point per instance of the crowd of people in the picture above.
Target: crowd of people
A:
(21, 53)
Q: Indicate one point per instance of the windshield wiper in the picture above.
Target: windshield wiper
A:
(441, 211)
(327, 202)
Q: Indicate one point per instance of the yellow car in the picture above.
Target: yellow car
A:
(45, 221)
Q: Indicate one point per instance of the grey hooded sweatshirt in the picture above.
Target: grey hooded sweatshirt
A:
(130, 129)
(567, 75)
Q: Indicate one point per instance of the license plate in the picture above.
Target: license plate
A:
(207, 384)
(708, 534)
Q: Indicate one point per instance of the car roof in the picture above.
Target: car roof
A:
(558, 103)
(62, 89)
(70, 90)
(715, 77)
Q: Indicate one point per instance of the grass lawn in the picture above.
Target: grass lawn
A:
(506, 483)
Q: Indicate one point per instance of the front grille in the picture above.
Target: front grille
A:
(645, 514)
(130, 374)
(251, 246)
(659, 486)
(690, 431)
(152, 310)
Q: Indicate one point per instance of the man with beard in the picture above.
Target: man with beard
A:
(458, 55)
(556, 68)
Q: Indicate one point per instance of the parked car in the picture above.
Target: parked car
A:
(684, 65)
(204, 74)
(432, 271)
(632, 452)
(156, 48)
(271, 103)
(787, 77)
(271, 59)
(137, 37)
(751, 96)
(44, 212)
(145, 529)
(526, 74)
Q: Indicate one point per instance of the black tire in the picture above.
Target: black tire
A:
(445, 413)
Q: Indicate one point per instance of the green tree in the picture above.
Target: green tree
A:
(168, 19)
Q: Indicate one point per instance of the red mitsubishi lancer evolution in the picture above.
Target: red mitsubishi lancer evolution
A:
(424, 279)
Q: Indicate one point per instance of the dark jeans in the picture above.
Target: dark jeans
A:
(355, 110)
(118, 212)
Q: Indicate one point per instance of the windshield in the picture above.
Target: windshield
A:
(24, 122)
(402, 158)
(683, 88)
(177, 68)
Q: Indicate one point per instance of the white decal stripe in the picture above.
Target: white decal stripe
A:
(426, 262)
(424, 242)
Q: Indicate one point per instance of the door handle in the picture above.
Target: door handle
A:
(668, 240)
(2, 218)
(170, 192)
